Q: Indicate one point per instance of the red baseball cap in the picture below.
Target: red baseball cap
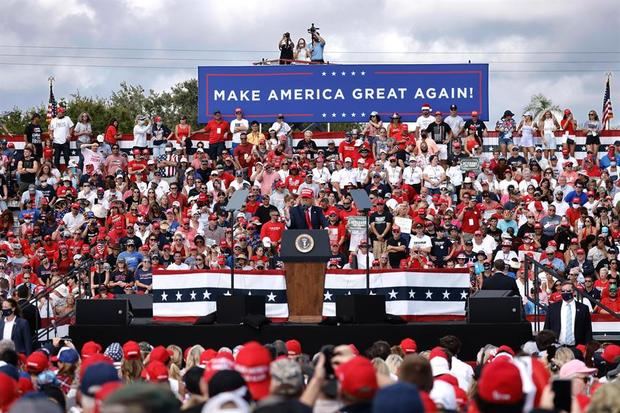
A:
(409, 345)
(357, 378)
(500, 383)
(253, 364)
(156, 371)
(90, 348)
(611, 353)
(307, 193)
(293, 347)
(219, 363)
(37, 362)
(207, 355)
(160, 354)
(131, 351)
(8, 391)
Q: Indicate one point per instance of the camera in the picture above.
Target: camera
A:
(287, 35)
(312, 29)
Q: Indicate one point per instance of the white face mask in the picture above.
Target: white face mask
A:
(140, 122)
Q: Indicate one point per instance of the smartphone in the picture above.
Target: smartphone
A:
(562, 399)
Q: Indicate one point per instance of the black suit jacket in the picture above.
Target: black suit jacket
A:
(583, 323)
(298, 218)
(20, 336)
(499, 281)
(31, 314)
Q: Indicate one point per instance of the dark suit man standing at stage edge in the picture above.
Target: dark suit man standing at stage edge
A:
(30, 312)
(499, 280)
(569, 319)
(306, 215)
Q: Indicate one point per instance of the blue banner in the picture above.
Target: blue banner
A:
(341, 93)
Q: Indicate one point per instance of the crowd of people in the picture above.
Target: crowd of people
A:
(281, 377)
(98, 224)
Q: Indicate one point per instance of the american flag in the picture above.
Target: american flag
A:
(608, 112)
(51, 106)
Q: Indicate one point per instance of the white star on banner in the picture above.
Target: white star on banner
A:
(348, 292)
(323, 73)
(333, 115)
(372, 293)
(249, 292)
(328, 296)
(446, 295)
(206, 295)
(271, 296)
(333, 73)
(363, 73)
(353, 114)
(227, 293)
(192, 295)
(343, 73)
(429, 294)
(393, 294)
(463, 295)
(344, 114)
(164, 296)
(324, 115)
(353, 73)
(411, 294)
(179, 295)
(363, 114)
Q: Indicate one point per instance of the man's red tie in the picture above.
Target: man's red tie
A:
(308, 220)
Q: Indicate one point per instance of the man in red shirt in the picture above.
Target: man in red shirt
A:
(347, 148)
(470, 217)
(137, 166)
(217, 129)
(610, 301)
(273, 228)
(176, 195)
(243, 152)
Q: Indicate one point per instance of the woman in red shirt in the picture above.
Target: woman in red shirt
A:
(396, 129)
(182, 132)
(568, 126)
(111, 133)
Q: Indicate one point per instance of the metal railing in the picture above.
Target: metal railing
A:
(534, 266)
(45, 294)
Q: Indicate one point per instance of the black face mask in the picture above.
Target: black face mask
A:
(7, 312)
(567, 296)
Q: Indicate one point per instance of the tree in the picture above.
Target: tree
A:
(539, 103)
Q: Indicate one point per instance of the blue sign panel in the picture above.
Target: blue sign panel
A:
(341, 93)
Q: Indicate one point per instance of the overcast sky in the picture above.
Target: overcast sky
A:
(390, 31)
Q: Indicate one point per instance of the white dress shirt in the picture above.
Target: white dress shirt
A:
(8, 329)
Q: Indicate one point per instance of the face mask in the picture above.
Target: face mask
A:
(141, 122)
(567, 296)
(158, 124)
(7, 312)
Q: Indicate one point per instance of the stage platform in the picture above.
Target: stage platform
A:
(312, 336)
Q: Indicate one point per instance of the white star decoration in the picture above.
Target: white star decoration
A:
(363, 73)
(411, 294)
(353, 73)
(393, 294)
(446, 295)
(249, 292)
(179, 295)
(363, 114)
(333, 115)
(353, 114)
(429, 294)
(164, 296)
(372, 293)
(344, 114)
(192, 295)
(324, 115)
(271, 296)
(333, 73)
(206, 295)
(227, 293)
(343, 73)
(348, 292)
(323, 73)
(463, 295)
(328, 296)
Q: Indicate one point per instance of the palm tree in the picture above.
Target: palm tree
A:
(540, 103)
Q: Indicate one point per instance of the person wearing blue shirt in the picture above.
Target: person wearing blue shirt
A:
(577, 193)
(131, 256)
(317, 47)
(611, 155)
(507, 222)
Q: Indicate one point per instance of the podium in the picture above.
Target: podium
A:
(305, 253)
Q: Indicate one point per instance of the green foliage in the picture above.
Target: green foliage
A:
(124, 105)
(540, 103)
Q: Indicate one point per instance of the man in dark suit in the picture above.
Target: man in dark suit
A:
(15, 328)
(499, 280)
(568, 319)
(306, 215)
(30, 313)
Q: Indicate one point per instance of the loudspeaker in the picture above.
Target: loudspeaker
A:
(102, 312)
(234, 309)
(141, 305)
(494, 306)
(360, 309)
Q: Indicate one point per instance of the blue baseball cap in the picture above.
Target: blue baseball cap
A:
(96, 376)
(68, 355)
